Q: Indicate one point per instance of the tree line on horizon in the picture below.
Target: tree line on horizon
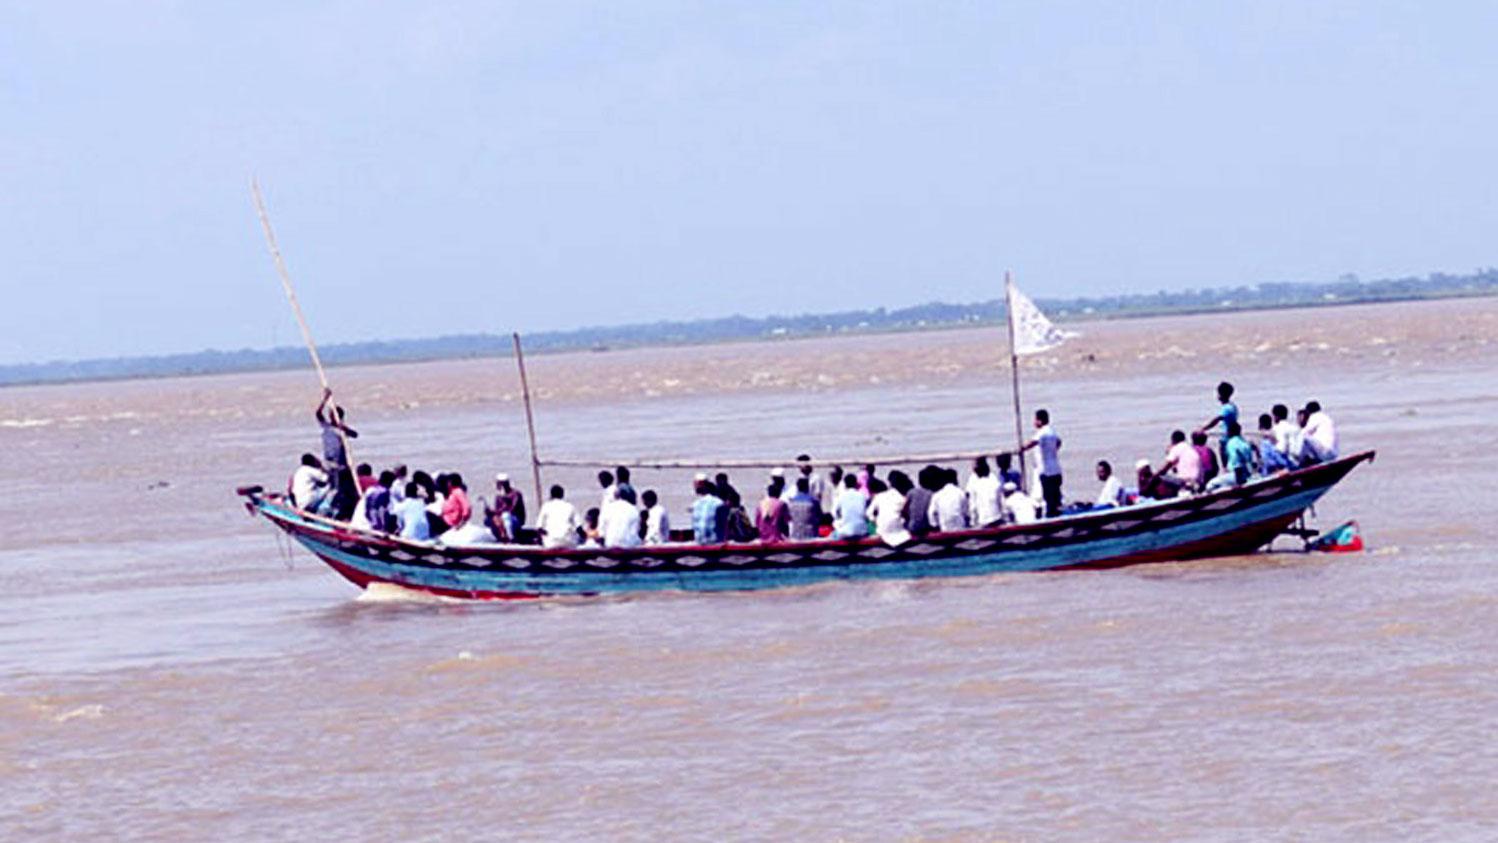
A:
(1349, 289)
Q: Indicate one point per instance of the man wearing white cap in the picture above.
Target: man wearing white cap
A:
(1018, 506)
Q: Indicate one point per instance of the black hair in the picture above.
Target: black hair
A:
(627, 494)
(1178, 436)
(1281, 412)
(605, 479)
(455, 481)
(1265, 422)
(649, 498)
(850, 482)
(901, 481)
(876, 485)
(1043, 416)
(1313, 407)
(1106, 466)
(803, 485)
(387, 478)
(557, 492)
(399, 470)
(1224, 390)
(310, 460)
(363, 469)
(836, 473)
(622, 472)
(1198, 438)
(1234, 429)
(803, 458)
(980, 466)
(592, 517)
(1004, 460)
(413, 490)
(930, 478)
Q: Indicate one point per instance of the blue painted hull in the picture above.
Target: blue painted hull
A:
(1230, 522)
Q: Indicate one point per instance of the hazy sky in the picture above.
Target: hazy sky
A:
(441, 167)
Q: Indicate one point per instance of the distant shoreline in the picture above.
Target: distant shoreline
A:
(932, 317)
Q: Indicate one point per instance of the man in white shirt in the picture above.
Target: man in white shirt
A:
(1049, 445)
(1018, 506)
(619, 521)
(850, 512)
(657, 521)
(309, 484)
(1112, 493)
(1321, 433)
(887, 511)
(609, 487)
(1286, 433)
(558, 521)
(948, 510)
(983, 495)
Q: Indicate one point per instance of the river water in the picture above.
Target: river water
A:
(170, 670)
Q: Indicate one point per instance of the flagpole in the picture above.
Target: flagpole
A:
(1019, 424)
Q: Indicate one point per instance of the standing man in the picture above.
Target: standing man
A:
(814, 484)
(335, 459)
(1050, 462)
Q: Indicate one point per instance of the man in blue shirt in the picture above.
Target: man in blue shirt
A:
(1271, 459)
(1239, 461)
(1227, 413)
(706, 525)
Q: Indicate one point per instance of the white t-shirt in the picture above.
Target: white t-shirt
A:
(1323, 433)
(1021, 508)
(888, 513)
(558, 523)
(948, 510)
(1112, 493)
(1285, 436)
(983, 499)
(1049, 445)
(305, 482)
(619, 523)
(657, 525)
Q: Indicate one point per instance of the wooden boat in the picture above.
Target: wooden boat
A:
(1228, 522)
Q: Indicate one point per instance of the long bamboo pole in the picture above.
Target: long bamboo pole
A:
(301, 319)
(1019, 423)
(646, 462)
(530, 419)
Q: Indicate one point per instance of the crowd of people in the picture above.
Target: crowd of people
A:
(805, 505)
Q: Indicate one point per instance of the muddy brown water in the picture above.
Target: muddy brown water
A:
(169, 671)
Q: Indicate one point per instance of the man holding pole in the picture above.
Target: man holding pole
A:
(1050, 461)
(335, 433)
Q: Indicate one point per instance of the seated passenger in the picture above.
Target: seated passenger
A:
(804, 512)
(1286, 434)
(619, 520)
(1211, 466)
(377, 503)
(309, 487)
(850, 513)
(772, 518)
(456, 510)
(887, 511)
(657, 521)
(983, 495)
(507, 515)
(558, 521)
(1240, 460)
(948, 510)
(707, 521)
(918, 499)
(1271, 459)
(1112, 493)
(411, 515)
(1321, 434)
(1019, 508)
(1183, 461)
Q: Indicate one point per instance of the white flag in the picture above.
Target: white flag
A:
(1033, 333)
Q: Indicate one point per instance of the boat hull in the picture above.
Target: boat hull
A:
(1230, 522)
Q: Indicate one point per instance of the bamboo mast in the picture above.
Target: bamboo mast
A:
(1019, 424)
(296, 308)
(530, 419)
